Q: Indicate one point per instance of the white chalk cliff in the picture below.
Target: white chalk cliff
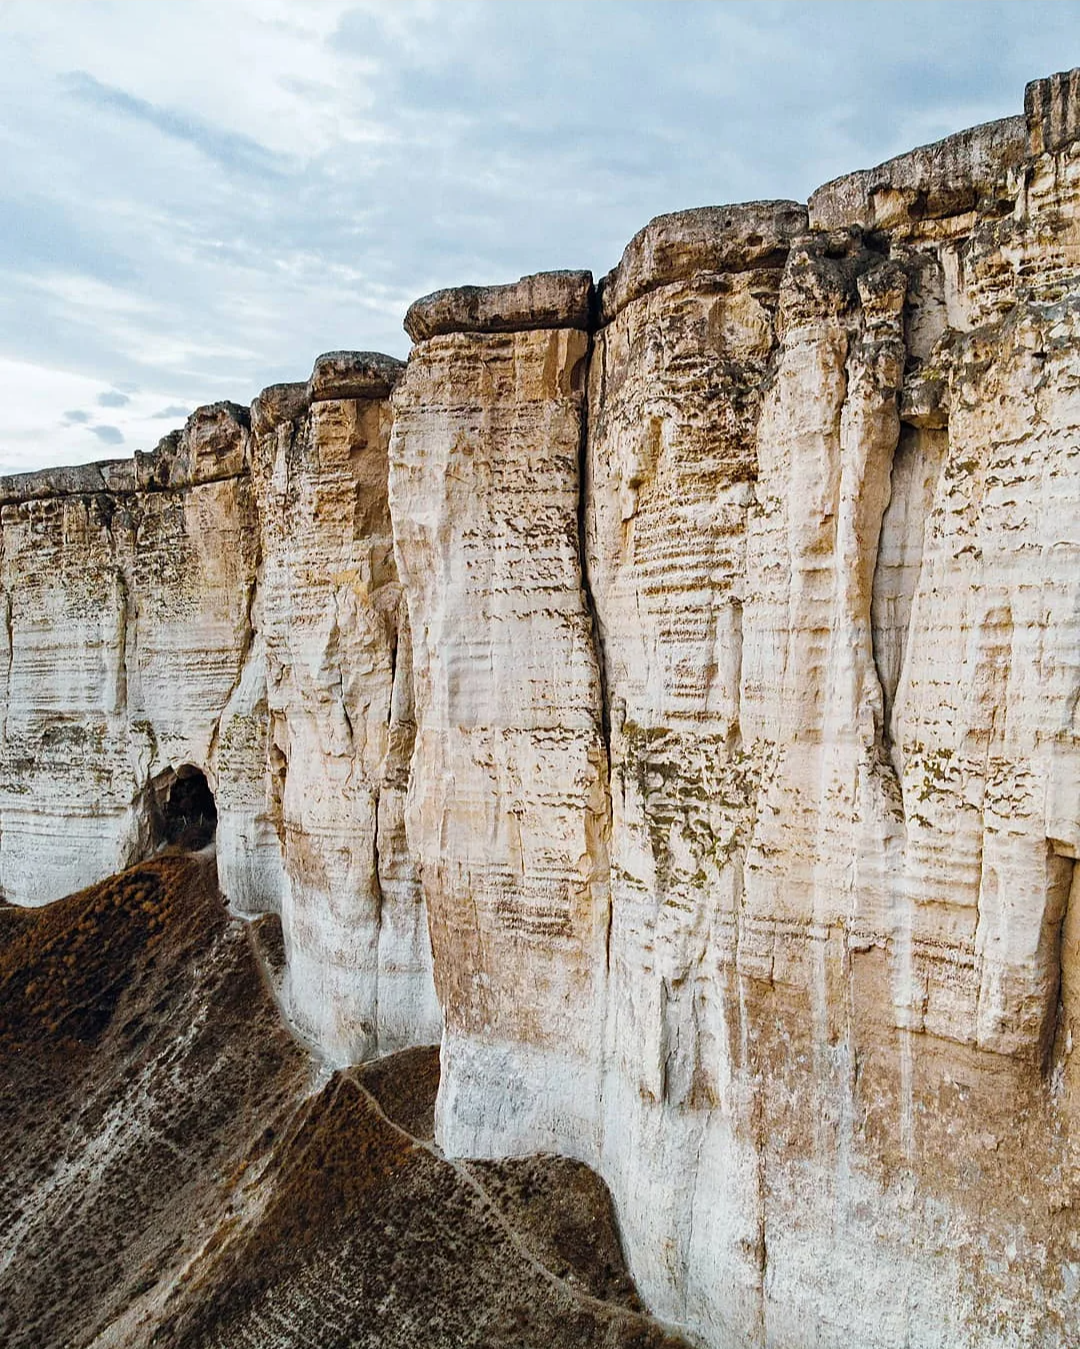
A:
(697, 658)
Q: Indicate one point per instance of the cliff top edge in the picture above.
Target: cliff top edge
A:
(968, 170)
(210, 445)
(542, 300)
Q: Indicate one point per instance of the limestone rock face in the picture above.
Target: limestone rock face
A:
(677, 385)
(689, 244)
(340, 716)
(830, 514)
(547, 300)
(508, 800)
(700, 658)
(229, 604)
(127, 624)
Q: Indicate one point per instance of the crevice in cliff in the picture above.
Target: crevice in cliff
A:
(886, 683)
(392, 651)
(9, 659)
(247, 643)
(343, 704)
(186, 485)
(336, 647)
(762, 1249)
(123, 605)
(589, 600)
(277, 771)
(1059, 1044)
(378, 899)
(1062, 919)
(869, 441)
(898, 565)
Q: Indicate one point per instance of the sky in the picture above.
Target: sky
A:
(196, 199)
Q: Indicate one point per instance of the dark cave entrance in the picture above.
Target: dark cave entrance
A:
(186, 814)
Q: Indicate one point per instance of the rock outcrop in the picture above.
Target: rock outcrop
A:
(333, 625)
(230, 604)
(127, 599)
(829, 523)
(508, 799)
(706, 673)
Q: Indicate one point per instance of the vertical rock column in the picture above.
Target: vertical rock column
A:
(986, 722)
(828, 828)
(338, 693)
(193, 556)
(675, 393)
(508, 808)
(66, 781)
(191, 659)
(821, 873)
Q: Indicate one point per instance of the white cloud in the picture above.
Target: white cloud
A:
(55, 417)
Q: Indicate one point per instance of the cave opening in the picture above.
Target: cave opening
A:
(186, 815)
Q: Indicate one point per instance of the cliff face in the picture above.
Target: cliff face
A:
(706, 672)
(815, 834)
(230, 604)
(508, 805)
(339, 704)
(127, 590)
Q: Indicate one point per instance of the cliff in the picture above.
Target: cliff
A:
(229, 604)
(698, 657)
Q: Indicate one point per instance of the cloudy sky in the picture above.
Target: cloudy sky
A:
(198, 198)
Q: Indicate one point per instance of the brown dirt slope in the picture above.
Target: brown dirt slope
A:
(173, 1172)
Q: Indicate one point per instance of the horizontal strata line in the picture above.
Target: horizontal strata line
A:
(154, 489)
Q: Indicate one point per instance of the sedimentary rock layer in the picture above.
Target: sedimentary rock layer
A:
(229, 604)
(508, 800)
(707, 674)
(829, 499)
(338, 694)
(127, 606)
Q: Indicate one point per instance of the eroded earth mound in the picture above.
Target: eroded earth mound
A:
(175, 1169)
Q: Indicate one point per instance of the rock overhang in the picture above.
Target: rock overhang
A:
(562, 299)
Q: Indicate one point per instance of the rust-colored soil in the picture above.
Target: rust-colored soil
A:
(174, 1173)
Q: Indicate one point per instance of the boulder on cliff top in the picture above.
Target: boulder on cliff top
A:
(545, 300)
(1052, 111)
(354, 374)
(935, 181)
(279, 403)
(210, 447)
(110, 475)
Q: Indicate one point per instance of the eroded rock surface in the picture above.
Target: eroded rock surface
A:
(230, 605)
(508, 800)
(338, 693)
(830, 517)
(706, 674)
(546, 300)
(127, 625)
